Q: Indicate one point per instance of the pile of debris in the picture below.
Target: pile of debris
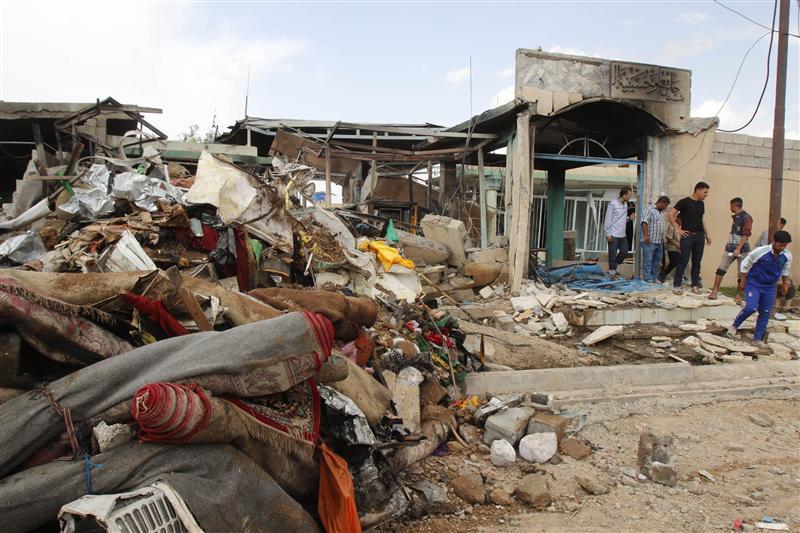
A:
(173, 342)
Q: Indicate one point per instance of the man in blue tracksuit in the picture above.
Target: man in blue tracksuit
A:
(761, 270)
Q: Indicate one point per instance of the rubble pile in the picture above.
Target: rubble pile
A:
(167, 335)
(204, 346)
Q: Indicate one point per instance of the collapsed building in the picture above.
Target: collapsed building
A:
(205, 341)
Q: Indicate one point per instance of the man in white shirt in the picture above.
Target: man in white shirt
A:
(616, 219)
(764, 239)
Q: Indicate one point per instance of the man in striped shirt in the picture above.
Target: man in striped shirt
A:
(761, 270)
(653, 239)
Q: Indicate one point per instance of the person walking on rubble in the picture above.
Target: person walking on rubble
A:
(692, 232)
(616, 218)
(761, 270)
(653, 239)
(736, 247)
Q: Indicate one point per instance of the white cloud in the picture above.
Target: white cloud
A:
(692, 18)
(676, 50)
(505, 95)
(569, 50)
(177, 60)
(507, 72)
(729, 117)
(457, 76)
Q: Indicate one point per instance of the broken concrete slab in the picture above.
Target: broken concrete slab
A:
(509, 425)
(486, 293)
(560, 322)
(482, 273)
(523, 303)
(448, 231)
(422, 250)
(728, 344)
(600, 334)
(488, 255)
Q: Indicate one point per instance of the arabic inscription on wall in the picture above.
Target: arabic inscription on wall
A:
(635, 81)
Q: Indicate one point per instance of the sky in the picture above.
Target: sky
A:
(370, 61)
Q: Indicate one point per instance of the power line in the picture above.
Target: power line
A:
(751, 20)
(738, 72)
(766, 78)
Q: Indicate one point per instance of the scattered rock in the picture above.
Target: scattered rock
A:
(502, 453)
(538, 447)
(486, 292)
(500, 497)
(108, 437)
(655, 458)
(592, 486)
(760, 419)
(534, 491)
(560, 322)
(469, 488)
(574, 448)
(734, 447)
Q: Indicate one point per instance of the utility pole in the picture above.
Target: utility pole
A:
(778, 130)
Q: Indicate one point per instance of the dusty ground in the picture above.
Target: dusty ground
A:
(763, 479)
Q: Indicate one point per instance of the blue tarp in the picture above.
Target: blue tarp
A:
(590, 277)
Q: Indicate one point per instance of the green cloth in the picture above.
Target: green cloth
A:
(391, 234)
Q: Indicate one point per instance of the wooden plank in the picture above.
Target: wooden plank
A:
(188, 300)
(430, 182)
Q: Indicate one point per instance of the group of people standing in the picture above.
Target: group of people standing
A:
(683, 234)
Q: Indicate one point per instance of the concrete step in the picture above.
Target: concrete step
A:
(550, 380)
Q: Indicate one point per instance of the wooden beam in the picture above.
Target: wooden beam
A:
(188, 300)
(417, 131)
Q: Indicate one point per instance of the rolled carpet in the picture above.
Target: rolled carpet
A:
(256, 359)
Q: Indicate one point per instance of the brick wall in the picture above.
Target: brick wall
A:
(754, 152)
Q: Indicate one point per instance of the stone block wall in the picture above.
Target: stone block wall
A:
(741, 150)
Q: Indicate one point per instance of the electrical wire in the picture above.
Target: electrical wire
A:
(751, 20)
(766, 78)
(738, 72)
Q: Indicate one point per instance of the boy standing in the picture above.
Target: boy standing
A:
(761, 270)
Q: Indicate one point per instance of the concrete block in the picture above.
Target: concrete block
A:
(530, 94)
(768, 142)
(509, 425)
(548, 423)
(746, 149)
(721, 159)
(448, 231)
(422, 250)
(762, 162)
(488, 255)
(560, 100)
(574, 98)
(544, 105)
(723, 137)
(755, 141)
(738, 160)
(763, 151)
(738, 138)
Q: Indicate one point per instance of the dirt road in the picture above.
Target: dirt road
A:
(756, 470)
